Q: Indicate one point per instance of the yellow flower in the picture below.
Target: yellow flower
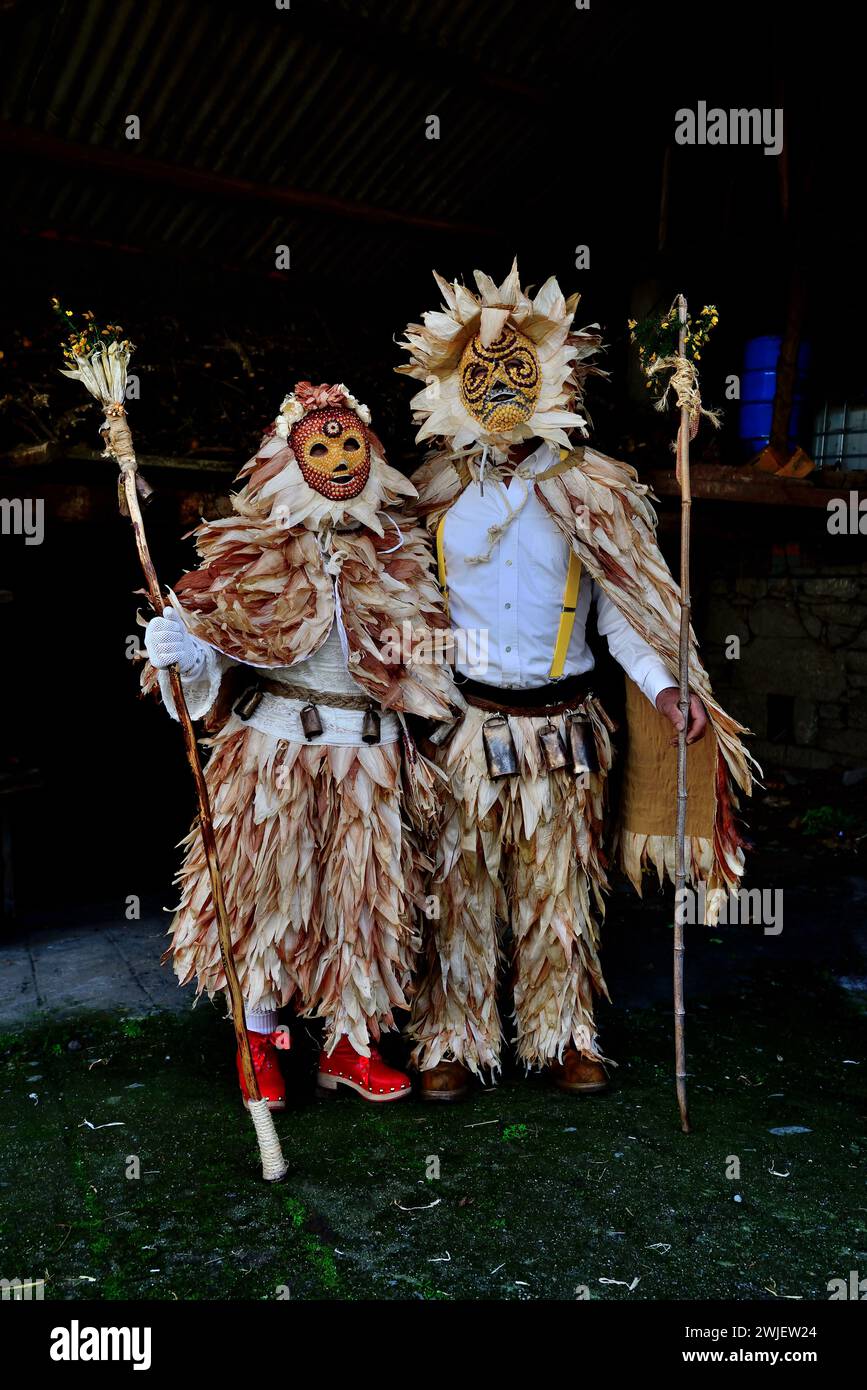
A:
(632, 323)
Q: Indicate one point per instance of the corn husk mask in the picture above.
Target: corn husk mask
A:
(321, 465)
(499, 366)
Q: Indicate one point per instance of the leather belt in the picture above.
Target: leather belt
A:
(554, 698)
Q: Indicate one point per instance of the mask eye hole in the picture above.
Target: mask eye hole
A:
(475, 380)
(317, 450)
(521, 369)
(350, 445)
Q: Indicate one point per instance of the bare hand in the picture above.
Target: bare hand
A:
(667, 704)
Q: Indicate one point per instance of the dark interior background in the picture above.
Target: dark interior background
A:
(306, 127)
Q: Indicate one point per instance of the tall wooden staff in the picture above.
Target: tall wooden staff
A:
(669, 343)
(683, 705)
(102, 368)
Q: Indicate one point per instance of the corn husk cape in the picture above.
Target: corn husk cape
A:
(269, 589)
(605, 515)
(321, 864)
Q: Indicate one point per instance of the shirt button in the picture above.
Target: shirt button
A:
(508, 649)
(508, 605)
(508, 562)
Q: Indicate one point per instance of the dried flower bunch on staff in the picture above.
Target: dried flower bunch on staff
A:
(532, 527)
(668, 351)
(282, 637)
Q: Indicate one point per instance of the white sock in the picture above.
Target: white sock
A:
(260, 1020)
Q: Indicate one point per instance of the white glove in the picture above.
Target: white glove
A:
(169, 643)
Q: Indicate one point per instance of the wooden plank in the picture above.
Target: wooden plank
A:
(39, 455)
(717, 483)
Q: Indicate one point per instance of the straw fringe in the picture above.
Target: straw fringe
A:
(320, 875)
(527, 850)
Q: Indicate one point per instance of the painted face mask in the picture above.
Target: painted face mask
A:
(500, 384)
(332, 448)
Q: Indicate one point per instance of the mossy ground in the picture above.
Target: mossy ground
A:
(538, 1194)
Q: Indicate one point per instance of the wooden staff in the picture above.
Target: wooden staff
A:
(683, 434)
(103, 371)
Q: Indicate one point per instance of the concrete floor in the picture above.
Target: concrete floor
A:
(96, 964)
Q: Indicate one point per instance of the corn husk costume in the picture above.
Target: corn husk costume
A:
(520, 860)
(296, 595)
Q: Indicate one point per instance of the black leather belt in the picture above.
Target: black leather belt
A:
(563, 694)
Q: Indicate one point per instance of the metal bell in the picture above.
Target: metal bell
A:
(248, 703)
(310, 721)
(500, 752)
(441, 733)
(371, 725)
(582, 744)
(552, 748)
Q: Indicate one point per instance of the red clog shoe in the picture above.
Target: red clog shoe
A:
(369, 1076)
(267, 1068)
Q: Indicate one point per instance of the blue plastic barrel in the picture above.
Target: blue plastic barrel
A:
(758, 387)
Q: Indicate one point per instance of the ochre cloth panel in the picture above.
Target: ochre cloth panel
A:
(649, 798)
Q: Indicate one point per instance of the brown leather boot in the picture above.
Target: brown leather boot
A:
(446, 1081)
(577, 1074)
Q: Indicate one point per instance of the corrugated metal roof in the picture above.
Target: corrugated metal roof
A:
(328, 97)
(306, 127)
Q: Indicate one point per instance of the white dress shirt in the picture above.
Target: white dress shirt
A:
(516, 596)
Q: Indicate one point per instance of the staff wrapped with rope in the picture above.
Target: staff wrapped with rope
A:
(669, 347)
(99, 359)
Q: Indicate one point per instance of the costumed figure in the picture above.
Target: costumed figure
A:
(282, 639)
(530, 531)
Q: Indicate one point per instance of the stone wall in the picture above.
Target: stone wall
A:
(799, 611)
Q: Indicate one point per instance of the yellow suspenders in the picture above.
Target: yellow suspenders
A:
(567, 616)
(567, 611)
(441, 561)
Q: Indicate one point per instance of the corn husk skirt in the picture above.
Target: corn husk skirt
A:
(518, 883)
(321, 878)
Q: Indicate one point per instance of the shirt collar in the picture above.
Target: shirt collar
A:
(540, 459)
